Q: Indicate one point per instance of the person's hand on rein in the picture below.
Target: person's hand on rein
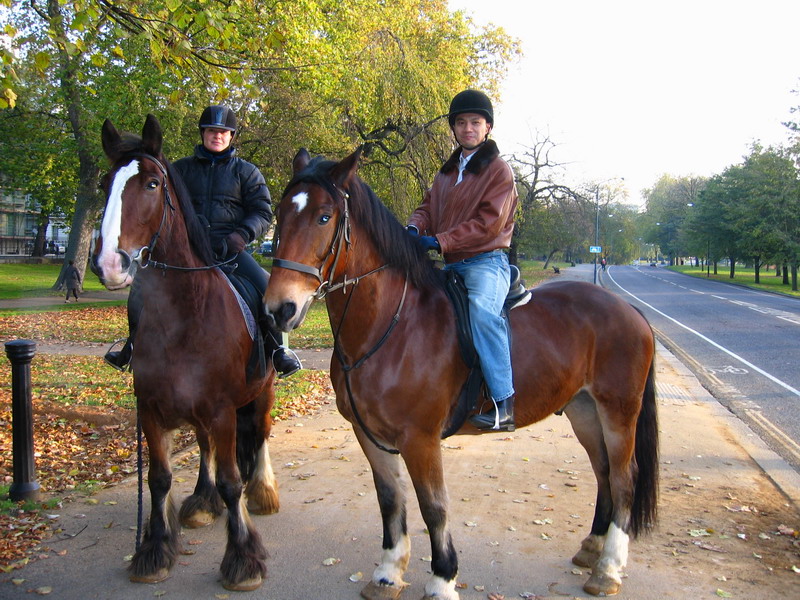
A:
(235, 242)
(429, 242)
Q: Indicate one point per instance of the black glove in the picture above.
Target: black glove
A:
(235, 242)
(429, 242)
(412, 229)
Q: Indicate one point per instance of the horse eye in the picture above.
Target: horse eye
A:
(152, 184)
(324, 219)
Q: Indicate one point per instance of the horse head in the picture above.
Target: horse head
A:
(136, 202)
(314, 231)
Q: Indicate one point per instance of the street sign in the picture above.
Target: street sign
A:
(595, 249)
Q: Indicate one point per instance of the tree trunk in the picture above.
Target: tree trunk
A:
(794, 276)
(785, 270)
(733, 267)
(757, 268)
(549, 257)
(41, 235)
(88, 202)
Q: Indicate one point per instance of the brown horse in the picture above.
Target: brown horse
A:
(397, 370)
(191, 350)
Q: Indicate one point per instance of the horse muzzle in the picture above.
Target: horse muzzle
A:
(115, 270)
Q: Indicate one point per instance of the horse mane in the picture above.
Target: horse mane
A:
(130, 144)
(394, 244)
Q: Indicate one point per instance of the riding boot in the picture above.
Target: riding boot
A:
(284, 360)
(121, 359)
(500, 418)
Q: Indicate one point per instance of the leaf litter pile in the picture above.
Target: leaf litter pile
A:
(85, 422)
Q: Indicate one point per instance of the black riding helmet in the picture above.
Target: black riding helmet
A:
(471, 101)
(218, 116)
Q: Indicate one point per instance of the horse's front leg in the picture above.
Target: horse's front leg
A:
(159, 549)
(244, 566)
(204, 505)
(423, 457)
(387, 579)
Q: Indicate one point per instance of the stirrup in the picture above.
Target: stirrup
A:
(291, 370)
(121, 368)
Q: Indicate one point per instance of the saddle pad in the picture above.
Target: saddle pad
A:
(249, 318)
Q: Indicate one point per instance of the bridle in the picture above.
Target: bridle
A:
(168, 207)
(339, 245)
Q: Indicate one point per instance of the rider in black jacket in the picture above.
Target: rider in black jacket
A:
(231, 197)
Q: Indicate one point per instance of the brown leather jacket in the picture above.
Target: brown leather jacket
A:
(475, 216)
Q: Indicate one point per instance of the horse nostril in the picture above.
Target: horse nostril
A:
(124, 259)
(94, 266)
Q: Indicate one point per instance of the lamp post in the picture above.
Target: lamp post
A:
(596, 249)
(596, 228)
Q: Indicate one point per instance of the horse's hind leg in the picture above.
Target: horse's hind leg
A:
(387, 580)
(244, 566)
(204, 505)
(610, 451)
(582, 414)
(262, 488)
(161, 544)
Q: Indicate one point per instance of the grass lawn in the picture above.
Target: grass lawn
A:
(742, 276)
(22, 280)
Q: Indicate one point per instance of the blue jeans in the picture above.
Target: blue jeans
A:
(487, 278)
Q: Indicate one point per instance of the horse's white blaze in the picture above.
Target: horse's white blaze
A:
(300, 201)
(393, 563)
(615, 554)
(439, 588)
(111, 227)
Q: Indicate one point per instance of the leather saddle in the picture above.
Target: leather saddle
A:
(473, 386)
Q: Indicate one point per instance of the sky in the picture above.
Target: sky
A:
(638, 89)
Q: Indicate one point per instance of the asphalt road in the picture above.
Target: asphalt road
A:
(742, 344)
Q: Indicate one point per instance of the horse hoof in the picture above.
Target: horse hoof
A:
(248, 585)
(198, 519)
(374, 591)
(602, 586)
(156, 577)
(586, 559)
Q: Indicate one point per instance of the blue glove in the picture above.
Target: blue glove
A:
(429, 242)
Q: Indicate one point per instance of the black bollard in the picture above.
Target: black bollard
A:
(25, 486)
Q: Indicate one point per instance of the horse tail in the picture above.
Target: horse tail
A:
(248, 440)
(645, 494)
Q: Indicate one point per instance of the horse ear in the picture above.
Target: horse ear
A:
(110, 137)
(152, 137)
(344, 172)
(300, 161)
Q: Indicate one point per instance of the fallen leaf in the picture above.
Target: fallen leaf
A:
(328, 562)
(356, 576)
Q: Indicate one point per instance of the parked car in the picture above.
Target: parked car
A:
(266, 248)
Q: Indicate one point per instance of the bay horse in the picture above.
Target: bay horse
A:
(397, 370)
(190, 355)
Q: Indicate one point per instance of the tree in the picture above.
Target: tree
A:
(332, 74)
(550, 215)
(667, 206)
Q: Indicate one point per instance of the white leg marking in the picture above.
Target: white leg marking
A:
(393, 563)
(300, 200)
(263, 470)
(615, 554)
(439, 588)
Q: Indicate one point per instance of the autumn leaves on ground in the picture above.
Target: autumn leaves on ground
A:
(84, 421)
